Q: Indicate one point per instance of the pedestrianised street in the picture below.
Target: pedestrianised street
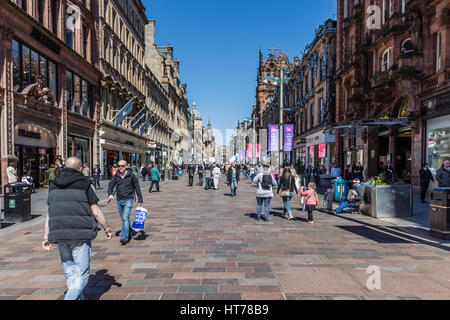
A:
(207, 245)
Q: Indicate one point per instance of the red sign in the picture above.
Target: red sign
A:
(322, 151)
(151, 142)
(311, 152)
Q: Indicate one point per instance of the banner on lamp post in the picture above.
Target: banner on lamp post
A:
(288, 137)
(274, 137)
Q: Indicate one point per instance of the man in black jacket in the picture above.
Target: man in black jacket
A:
(127, 184)
(200, 170)
(191, 173)
(425, 178)
(72, 221)
(233, 176)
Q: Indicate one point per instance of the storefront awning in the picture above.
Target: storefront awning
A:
(359, 125)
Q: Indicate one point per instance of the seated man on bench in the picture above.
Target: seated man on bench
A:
(353, 200)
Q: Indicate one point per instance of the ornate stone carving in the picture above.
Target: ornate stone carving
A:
(39, 97)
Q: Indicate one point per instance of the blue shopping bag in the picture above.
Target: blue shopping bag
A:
(139, 219)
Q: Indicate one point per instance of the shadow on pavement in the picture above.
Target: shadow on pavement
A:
(99, 284)
(386, 234)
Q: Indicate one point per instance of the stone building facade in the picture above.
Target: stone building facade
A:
(49, 84)
(124, 78)
(392, 86)
(310, 96)
(174, 134)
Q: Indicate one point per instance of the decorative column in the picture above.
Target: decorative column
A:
(63, 151)
(7, 105)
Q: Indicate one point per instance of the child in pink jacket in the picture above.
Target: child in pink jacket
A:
(311, 200)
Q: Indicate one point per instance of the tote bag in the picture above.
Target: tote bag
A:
(139, 219)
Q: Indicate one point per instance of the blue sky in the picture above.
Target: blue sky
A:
(217, 43)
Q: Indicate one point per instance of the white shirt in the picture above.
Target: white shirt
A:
(12, 175)
(216, 172)
(335, 172)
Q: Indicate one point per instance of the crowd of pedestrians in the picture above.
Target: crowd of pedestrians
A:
(74, 215)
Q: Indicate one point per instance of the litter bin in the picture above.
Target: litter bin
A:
(440, 213)
(340, 189)
(17, 202)
(163, 175)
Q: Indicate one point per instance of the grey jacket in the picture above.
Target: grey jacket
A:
(261, 193)
(443, 177)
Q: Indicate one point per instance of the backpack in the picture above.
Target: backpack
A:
(266, 181)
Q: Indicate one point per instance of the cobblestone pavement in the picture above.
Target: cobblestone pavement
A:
(206, 245)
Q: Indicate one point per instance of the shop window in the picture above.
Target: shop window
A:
(16, 65)
(77, 94)
(84, 100)
(69, 86)
(34, 66)
(25, 66)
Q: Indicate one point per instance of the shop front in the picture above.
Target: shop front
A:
(35, 148)
(438, 142)
(320, 150)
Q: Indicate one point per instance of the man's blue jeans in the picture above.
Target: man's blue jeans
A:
(76, 262)
(287, 202)
(344, 204)
(233, 187)
(125, 207)
(266, 206)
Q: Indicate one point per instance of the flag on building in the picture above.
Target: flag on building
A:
(124, 112)
(145, 126)
(138, 119)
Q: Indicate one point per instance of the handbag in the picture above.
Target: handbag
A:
(287, 193)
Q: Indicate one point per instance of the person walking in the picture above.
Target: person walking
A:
(155, 176)
(317, 172)
(51, 173)
(191, 173)
(200, 171)
(126, 185)
(86, 171)
(207, 176)
(425, 178)
(287, 186)
(114, 170)
(143, 172)
(309, 173)
(264, 194)
(72, 220)
(216, 177)
(311, 200)
(233, 176)
(97, 174)
(252, 172)
(443, 175)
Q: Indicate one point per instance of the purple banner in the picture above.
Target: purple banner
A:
(288, 137)
(274, 138)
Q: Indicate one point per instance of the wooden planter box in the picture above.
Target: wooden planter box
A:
(387, 201)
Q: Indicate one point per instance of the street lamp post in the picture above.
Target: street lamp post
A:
(283, 62)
